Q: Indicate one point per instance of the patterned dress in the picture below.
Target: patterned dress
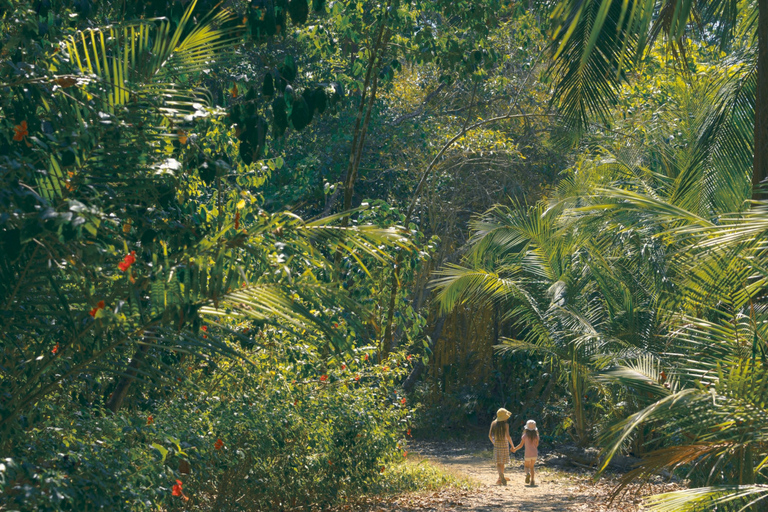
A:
(500, 449)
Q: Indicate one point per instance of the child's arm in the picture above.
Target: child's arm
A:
(514, 449)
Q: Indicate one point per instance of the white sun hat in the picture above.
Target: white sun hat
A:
(530, 425)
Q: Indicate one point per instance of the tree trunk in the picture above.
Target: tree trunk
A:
(419, 367)
(115, 400)
(760, 162)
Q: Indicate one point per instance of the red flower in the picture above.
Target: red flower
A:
(382, 469)
(55, 349)
(205, 327)
(176, 490)
(343, 367)
(128, 260)
(357, 377)
(218, 444)
(405, 454)
(385, 369)
(237, 220)
(21, 131)
(335, 325)
(323, 378)
(150, 420)
(402, 401)
(95, 310)
(408, 433)
(365, 358)
(408, 357)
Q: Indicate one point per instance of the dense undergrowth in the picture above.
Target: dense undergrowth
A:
(266, 436)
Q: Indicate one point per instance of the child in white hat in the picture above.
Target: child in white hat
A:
(499, 436)
(531, 442)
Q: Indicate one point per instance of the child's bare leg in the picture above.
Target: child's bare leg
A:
(500, 468)
(533, 477)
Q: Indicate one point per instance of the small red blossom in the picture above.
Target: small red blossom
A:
(357, 377)
(295, 403)
(204, 328)
(365, 358)
(335, 325)
(219, 444)
(385, 369)
(402, 401)
(128, 260)
(405, 454)
(408, 433)
(237, 220)
(20, 131)
(408, 357)
(150, 419)
(55, 349)
(323, 378)
(95, 310)
(176, 490)
(382, 469)
(343, 367)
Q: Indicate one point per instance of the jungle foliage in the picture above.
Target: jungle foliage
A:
(236, 269)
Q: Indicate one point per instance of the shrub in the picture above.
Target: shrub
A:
(284, 432)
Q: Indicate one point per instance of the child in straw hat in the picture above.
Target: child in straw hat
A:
(499, 436)
(531, 442)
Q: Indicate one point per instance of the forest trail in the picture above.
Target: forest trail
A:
(556, 489)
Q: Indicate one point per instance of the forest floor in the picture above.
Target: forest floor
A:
(557, 488)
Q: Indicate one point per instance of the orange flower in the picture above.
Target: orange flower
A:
(233, 91)
(382, 469)
(95, 310)
(55, 349)
(205, 328)
(405, 454)
(408, 357)
(218, 444)
(323, 378)
(21, 131)
(357, 377)
(176, 490)
(365, 358)
(128, 260)
(182, 136)
(408, 433)
(402, 401)
(343, 367)
(150, 420)
(385, 369)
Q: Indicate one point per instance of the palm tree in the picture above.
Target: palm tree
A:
(598, 41)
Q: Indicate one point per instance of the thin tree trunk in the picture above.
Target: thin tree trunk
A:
(115, 400)
(760, 162)
(419, 367)
(361, 126)
(349, 189)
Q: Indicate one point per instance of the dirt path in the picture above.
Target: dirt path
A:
(556, 490)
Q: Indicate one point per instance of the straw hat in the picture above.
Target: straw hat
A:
(503, 414)
(530, 425)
